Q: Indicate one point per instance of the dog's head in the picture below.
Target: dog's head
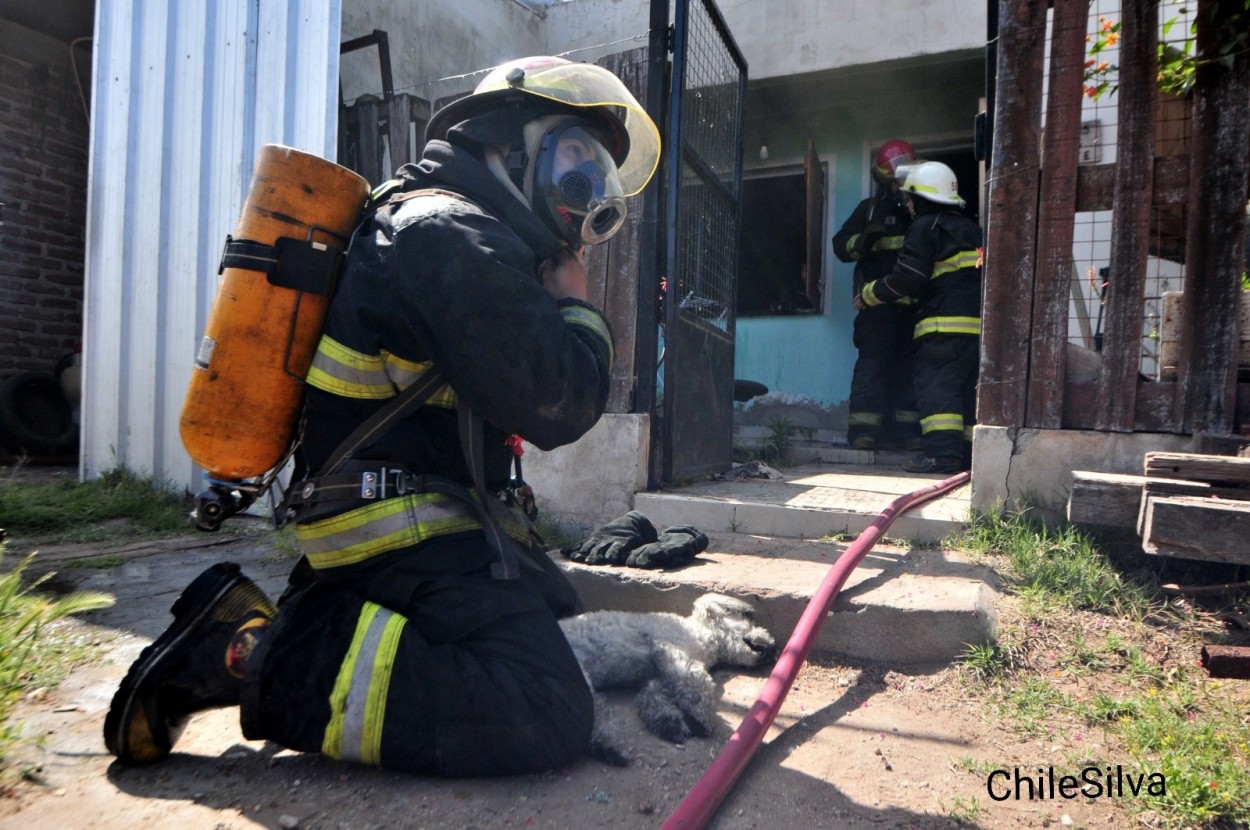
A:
(739, 641)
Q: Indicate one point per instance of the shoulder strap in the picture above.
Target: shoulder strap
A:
(402, 405)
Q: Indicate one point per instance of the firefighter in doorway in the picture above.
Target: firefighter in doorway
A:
(882, 410)
(419, 630)
(940, 268)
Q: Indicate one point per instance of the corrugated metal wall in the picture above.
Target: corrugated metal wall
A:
(184, 95)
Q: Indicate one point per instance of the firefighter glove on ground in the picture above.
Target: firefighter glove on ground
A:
(676, 546)
(612, 543)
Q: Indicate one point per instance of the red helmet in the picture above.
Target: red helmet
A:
(891, 155)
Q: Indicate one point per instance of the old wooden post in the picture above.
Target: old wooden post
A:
(1011, 227)
(1058, 203)
(1207, 364)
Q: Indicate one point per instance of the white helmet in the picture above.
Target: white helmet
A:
(932, 180)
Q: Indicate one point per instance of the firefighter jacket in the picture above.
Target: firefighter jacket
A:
(872, 237)
(449, 278)
(940, 267)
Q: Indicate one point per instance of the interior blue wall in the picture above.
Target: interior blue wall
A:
(810, 357)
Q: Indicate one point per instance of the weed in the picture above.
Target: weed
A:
(1061, 567)
(27, 656)
(987, 661)
(963, 810)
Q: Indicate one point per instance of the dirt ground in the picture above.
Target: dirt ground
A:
(854, 746)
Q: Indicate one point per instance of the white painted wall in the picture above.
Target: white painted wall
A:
(432, 41)
(791, 37)
(183, 96)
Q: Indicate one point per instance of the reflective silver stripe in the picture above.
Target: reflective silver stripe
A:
(391, 524)
(948, 325)
(364, 707)
(575, 315)
(943, 421)
(348, 373)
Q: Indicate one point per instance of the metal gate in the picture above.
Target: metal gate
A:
(704, 188)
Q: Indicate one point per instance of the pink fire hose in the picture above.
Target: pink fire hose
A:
(699, 805)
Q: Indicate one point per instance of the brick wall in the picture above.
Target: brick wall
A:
(43, 185)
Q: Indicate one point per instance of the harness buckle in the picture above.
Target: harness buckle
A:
(387, 482)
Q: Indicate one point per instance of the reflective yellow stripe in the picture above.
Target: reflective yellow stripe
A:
(852, 246)
(575, 315)
(948, 325)
(960, 261)
(906, 416)
(867, 295)
(348, 373)
(942, 422)
(391, 524)
(888, 243)
(863, 419)
(358, 700)
(968, 432)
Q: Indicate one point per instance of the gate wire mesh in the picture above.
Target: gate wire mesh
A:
(1092, 230)
(711, 134)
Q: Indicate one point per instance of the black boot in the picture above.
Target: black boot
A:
(196, 664)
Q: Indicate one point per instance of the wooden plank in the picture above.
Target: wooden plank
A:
(1130, 224)
(398, 125)
(1044, 402)
(1165, 487)
(1011, 227)
(1095, 183)
(1211, 530)
(1110, 499)
(1215, 256)
(1226, 469)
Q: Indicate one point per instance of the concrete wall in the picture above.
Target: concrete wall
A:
(43, 185)
(431, 42)
(592, 481)
(1032, 468)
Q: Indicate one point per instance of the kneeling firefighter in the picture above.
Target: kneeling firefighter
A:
(419, 630)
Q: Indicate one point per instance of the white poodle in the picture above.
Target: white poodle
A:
(668, 657)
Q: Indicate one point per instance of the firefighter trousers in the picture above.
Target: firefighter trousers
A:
(946, 394)
(882, 404)
(422, 663)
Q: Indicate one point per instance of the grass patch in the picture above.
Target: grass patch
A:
(1098, 650)
(69, 511)
(29, 657)
(1054, 567)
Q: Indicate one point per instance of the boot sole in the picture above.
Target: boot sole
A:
(192, 606)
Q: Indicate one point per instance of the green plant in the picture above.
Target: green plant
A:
(1063, 566)
(26, 656)
(987, 661)
(963, 810)
(777, 444)
(1178, 59)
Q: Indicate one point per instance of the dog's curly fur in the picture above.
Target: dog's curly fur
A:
(667, 657)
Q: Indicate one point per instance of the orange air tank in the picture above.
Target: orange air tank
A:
(242, 407)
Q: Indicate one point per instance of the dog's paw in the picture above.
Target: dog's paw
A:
(609, 754)
(660, 715)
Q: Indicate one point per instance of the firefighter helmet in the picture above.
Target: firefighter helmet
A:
(592, 91)
(934, 181)
(889, 157)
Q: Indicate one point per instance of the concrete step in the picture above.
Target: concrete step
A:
(811, 501)
(771, 543)
(900, 606)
